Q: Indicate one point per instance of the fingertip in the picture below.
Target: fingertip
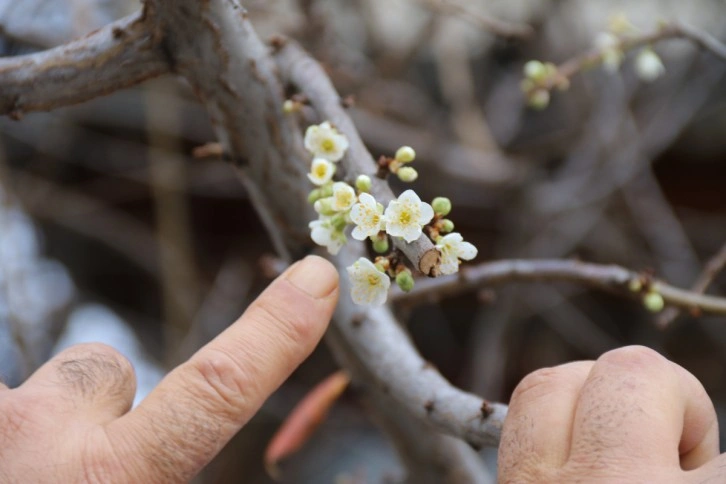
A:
(314, 276)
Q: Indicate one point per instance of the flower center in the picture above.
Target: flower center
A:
(328, 145)
(373, 279)
(320, 170)
(404, 217)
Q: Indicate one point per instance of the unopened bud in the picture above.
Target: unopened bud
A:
(325, 206)
(446, 226)
(539, 99)
(405, 281)
(441, 206)
(653, 302)
(405, 154)
(535, 70)
(407, 174)
(326, 190)
(314, 196)
(363, 183)
(380, 245)
(290, 106)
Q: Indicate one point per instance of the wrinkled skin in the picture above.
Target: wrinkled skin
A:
(70, 421)
(631, 416)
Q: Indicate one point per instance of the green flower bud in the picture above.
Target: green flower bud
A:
(380, 245)
(314, 196)
(405, 154)
(539, 99)
(326, 190)
(289, 106)
(339, 221)
(535, 70)
(635, 285)
(441, 206)
(363, 183)
(407, 174)
(380, 267)
(446, 226)
(325, 206)
(405, 281)
(653, 302)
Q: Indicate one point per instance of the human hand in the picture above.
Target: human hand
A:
(70, 421)
(631, 416)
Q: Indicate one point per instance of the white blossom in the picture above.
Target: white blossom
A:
(610, 50)
(406, 216)
(648, 65)
(367, 215)
(324, 141)
(369, 286)
(453, 248)
(343, 196)
(321, 171)
(325, 234)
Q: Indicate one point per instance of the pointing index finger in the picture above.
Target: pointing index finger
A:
(201, 404)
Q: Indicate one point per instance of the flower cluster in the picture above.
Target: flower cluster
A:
(407, 217)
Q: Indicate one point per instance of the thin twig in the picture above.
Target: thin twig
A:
(610, 278)
(714, 266)
(117, 56)
(479, 19)
(672, 30)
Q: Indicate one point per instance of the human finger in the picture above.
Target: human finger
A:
(90, 379)
(639, 410)
(537, 431)
(201, 404)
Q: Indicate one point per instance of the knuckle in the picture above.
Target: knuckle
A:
(634, 357)
(92, 367)
(537, 384)
(222, 383)
(294, 324)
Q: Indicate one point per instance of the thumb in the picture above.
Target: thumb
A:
(200, 405)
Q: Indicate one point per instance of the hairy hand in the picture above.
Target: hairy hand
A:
(631, 416)
(70, 422)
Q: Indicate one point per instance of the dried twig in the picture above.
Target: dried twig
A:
(610, 278)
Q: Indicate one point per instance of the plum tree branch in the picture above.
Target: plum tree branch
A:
(610, 278)
(302, 71)
(115, 57)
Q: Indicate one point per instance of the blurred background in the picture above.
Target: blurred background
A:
(110, 230)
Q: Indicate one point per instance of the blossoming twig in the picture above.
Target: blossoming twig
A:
(538, 92)
(611, 278)
(298, 68)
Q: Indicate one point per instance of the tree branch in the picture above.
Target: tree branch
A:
(716, 264)
(376, 345)
(117, 56)
(301, 70)
(610, 278)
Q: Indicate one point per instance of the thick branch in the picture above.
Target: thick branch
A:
(117, 56)
(301, 70)
(605, 277)
(376, 345)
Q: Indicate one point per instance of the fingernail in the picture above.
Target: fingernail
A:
(314, 276)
